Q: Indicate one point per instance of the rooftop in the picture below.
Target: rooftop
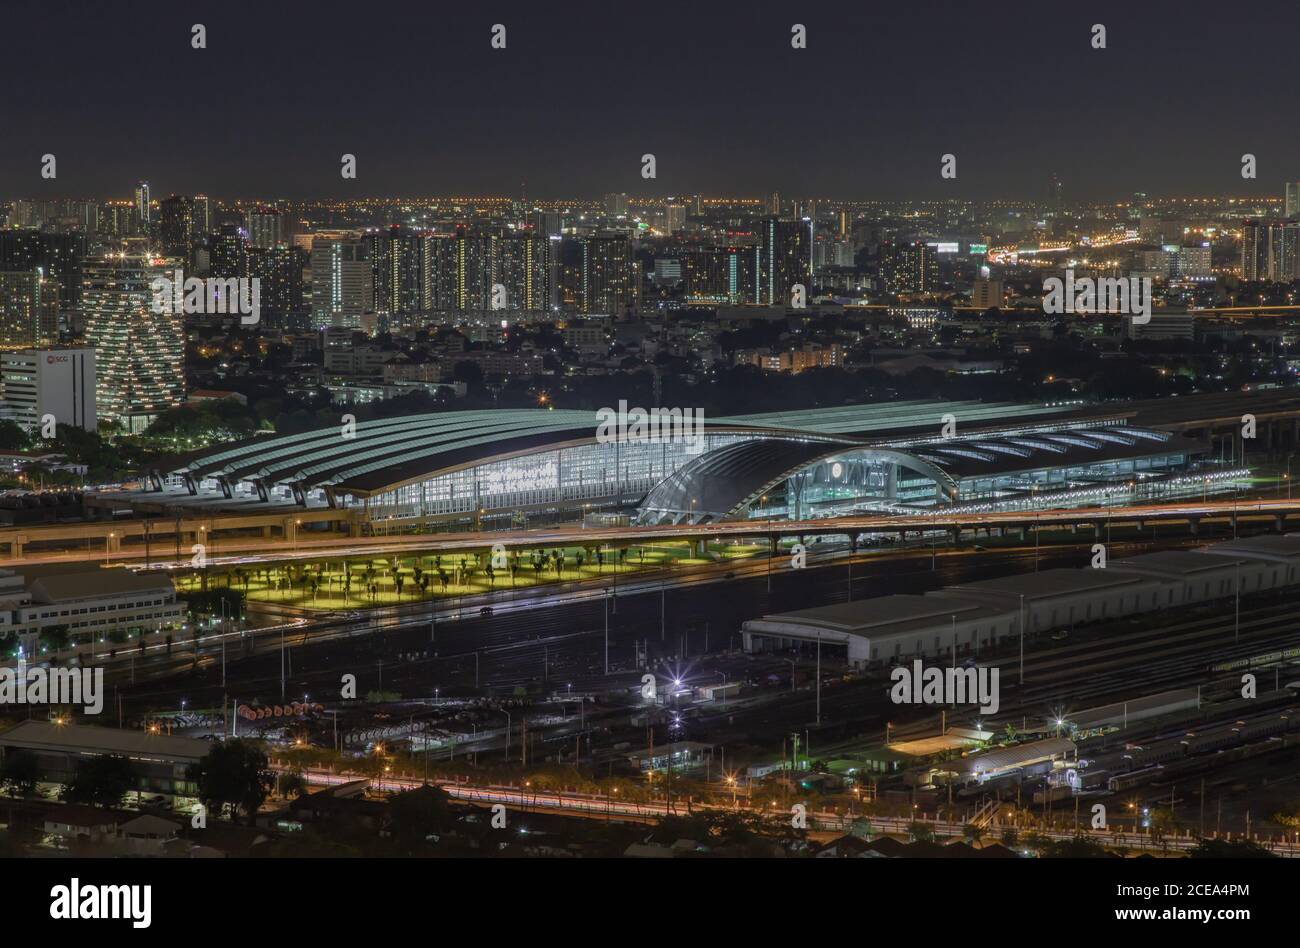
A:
(89, 739)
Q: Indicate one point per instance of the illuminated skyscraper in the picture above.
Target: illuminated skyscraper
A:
(230, 252)
(58, 256)
(721, 275)
(176, 228)
(265, 228)
(610, 278)
(910, 268)
(342, 281)
(1269, 250)
(143, 211)
(139, 353)
(29, 309)
(201, 210)
(1292, 199)
(785, 258)
(522, 264)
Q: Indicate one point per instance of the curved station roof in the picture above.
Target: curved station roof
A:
(379, 456)
(388, 453)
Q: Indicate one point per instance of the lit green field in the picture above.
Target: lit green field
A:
(360, 583)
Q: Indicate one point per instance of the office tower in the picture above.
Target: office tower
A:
(1268, 250)
(616, 204)
(611, 282)
(265, 227)
(784, 259)
(139, 353)
(176, 228)
(774, 204)
(229, 249)
(844, 223)
(29, 309)
(986, 294)
(143, 210)
(910, 268)
(1292, 199)
(279, 272)
(201, 214)
(58, 256)
(41, 382)
(342, 281)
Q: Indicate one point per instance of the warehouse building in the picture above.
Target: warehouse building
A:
(158, 761)
(960, 621)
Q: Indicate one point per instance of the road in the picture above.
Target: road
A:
(240, 551)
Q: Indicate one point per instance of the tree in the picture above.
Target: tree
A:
(55, 637)
(1234, 849)
(1080, 847)
(234, 774)
(19, 773)
(418, 814)
(101, 781)
(292, 785)
(973, 833)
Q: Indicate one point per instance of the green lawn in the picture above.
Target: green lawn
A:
(360, 583)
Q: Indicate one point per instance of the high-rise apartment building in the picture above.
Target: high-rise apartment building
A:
(611, 282)
(342, 281)
(1268, 250)
(139, 353)
(176, 228)
(143, 208)
(910, 268)
(29, 309)
(784, 259)
(58, 256)
(1292, 208)
(265, 228)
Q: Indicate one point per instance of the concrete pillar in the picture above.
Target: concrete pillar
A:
(1194, 523)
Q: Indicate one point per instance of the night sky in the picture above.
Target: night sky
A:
(712, 88)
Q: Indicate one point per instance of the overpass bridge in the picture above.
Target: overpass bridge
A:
(959, 525)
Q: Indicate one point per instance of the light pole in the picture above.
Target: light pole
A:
(606, 631)
(1022, 639)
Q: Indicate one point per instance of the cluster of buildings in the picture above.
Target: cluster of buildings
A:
(626, 280)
